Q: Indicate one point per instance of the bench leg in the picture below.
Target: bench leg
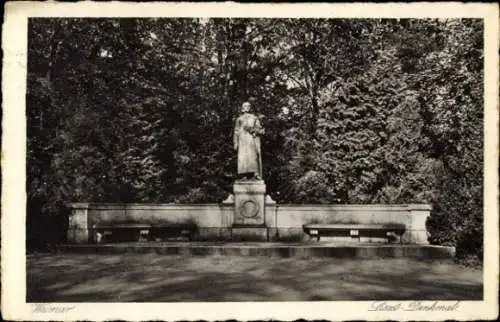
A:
(98, 237)
(143, 235)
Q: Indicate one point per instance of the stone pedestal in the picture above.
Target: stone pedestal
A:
(78, 228)
(249, 203)
(248, 233)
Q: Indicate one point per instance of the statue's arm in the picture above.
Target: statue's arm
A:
(259, 130)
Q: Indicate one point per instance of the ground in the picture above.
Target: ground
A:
(160, 278)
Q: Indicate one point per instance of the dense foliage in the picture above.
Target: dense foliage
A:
(355, 111)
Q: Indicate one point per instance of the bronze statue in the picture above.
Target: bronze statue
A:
(246, 141)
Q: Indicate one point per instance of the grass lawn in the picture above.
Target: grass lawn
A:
(160, 278)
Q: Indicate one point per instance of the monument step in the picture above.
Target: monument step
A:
(298, 250)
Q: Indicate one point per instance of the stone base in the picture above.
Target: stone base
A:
(248, 233)
(78, 235)
(249, 202)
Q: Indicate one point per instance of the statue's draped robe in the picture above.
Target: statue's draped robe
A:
(247, 141)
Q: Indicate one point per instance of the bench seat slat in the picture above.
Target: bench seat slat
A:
(354, 226)
(138, 226)
(119, 226)
(175, 226)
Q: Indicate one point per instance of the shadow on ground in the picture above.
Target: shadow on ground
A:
(157, 278)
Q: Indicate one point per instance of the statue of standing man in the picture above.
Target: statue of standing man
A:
(246, 141)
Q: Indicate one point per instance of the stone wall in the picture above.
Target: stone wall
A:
(215, 221)
(290, 218)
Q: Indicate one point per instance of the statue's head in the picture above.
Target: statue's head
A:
(245, 107)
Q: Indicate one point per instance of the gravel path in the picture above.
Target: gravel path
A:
(156, 278)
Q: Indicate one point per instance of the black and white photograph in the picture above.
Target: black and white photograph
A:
(245, 158)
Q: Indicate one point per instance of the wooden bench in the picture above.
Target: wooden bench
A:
(355, 230)
(141, 232)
